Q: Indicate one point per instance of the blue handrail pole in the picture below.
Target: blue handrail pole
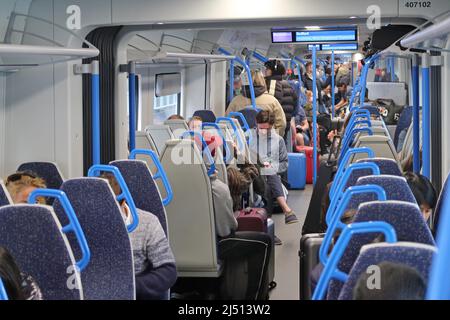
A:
(95, 82)
(259, 57)
(426, 154)
(416, 114)
(353, 73)
(247, 70)
(132, 103)
(332, 84)
(315, 93)
(231, 92)
(439, 281)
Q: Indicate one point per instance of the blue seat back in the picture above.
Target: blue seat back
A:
(403, 123)
(445, 193)
(250, 116)
(143, 188)
(110, 273)
(404, 217)
(47, 171)
(386, 165)
(32, 234)
(396, 189)
(4, 196)
(414, 255)
(205, 115)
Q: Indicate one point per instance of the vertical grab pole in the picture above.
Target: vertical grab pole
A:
(231, 92)
(95, 81)
(426, 115)
(416, 114)
(315, 93)
(132, 103)
(332, 84)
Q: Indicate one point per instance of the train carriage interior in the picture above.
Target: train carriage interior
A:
(224, 150)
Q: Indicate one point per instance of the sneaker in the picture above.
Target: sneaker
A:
(290, 218)
(278, 241)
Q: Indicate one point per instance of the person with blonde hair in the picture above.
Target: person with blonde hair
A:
(21, 184)
(264, 101)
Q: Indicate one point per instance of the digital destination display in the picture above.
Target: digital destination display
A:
(314, 36)
(335, 47)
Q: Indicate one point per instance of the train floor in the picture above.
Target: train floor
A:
(286, 255)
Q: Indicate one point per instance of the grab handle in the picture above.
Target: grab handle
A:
(160, 173)
(349, 139)
(212, 167)
(335, 218)
(350, 152)
(74, 224)
(3, 294)
(235, 130)
(228, 153)
(241, 116)
(331, 270)
(95, 171)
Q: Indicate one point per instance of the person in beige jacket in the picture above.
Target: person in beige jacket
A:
(264, 101)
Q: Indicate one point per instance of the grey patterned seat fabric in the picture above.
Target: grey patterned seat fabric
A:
(414, 255)
(406, 219)
(158, 135)
(32, 234)
(46, 170)
(4, 196)
(396, 188)
(190, 215)
(143, 188)
(110, 273)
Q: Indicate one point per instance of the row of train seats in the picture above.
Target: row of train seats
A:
(85, 251)
(196, 257)
(386, 223)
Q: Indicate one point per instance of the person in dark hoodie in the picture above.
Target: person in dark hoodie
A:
(281, 89)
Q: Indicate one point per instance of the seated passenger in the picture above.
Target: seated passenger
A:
(154, 263)
(397, 282)
(195, 124)
(175, 117)
(424, 192)
(269, 150)
(302, 137)
(21, 184)
(18, 286)
(264, 101)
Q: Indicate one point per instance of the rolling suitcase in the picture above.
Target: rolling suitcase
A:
(252, 219)
(309, 153)
(309, 258)
(296, 170)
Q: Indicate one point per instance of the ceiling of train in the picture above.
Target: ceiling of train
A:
(147, 43)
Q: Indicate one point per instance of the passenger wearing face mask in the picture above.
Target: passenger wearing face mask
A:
(269, 151)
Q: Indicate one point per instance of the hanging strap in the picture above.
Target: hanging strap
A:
(273, 85)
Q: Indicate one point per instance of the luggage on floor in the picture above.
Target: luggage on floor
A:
(297, 170)
(309, 258)
(252, 219)
(314, 218)
(309, 153)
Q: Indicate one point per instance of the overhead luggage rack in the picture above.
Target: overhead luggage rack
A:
(182, 59)
(17, 54)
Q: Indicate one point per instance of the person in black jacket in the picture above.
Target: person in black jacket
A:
(281, 89)
(308, 82)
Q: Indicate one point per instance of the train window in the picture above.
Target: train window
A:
(167, 96)
(165, 106)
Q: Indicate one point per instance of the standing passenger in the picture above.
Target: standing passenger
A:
(264, 101)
